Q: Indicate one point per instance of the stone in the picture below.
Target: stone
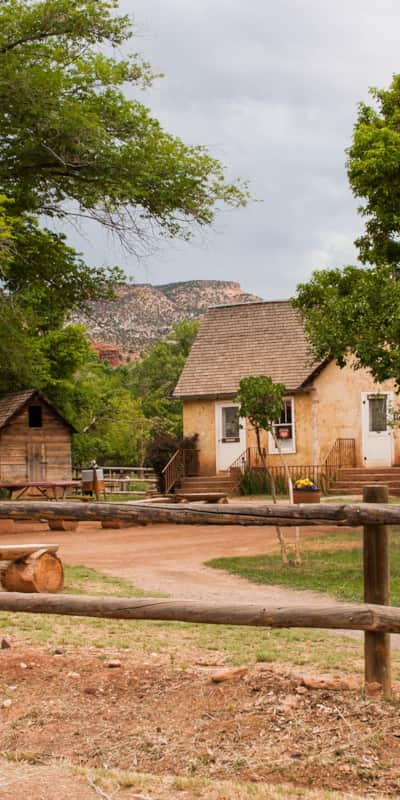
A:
(233, 674)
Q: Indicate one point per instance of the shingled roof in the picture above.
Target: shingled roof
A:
(10, 404)
(236, 341)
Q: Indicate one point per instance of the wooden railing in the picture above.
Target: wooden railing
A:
(342, 454)
(183, 463)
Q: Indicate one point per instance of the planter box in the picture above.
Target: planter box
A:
(306, 496)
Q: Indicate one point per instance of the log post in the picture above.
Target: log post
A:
(376, 590)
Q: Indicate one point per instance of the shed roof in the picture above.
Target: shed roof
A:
(10, 404)
(236, 341)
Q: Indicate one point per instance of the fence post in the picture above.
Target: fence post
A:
(376, 590)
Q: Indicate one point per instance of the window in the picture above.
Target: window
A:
(230, 424)
(284, 429)
(35, 416)
(377, 413)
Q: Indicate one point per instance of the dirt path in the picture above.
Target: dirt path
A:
(170, 558)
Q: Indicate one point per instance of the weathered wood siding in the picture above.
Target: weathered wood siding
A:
(35, 453)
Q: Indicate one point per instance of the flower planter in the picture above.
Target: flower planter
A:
(306, 496)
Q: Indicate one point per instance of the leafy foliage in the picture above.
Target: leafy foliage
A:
(154, 378)
(354, 310)
(374, 174)
(72, 144)
(260, 401)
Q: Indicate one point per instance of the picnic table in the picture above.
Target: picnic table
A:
(52, 490)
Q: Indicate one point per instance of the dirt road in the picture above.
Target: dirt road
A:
(170, 558)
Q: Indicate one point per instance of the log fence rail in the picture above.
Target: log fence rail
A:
(376, 618)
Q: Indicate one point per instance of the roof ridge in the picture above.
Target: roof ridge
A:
(249, 303)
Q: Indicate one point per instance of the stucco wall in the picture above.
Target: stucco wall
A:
(331, 409)
(338, 403)
(199, 417)
(303, 435)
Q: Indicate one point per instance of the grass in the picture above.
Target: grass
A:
(181, 642)
(331, 564)
(199, 788)
(240, 645)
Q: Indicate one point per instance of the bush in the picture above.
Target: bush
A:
(160, 451)
(256, 481)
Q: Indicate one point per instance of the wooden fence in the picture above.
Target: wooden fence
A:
(375, 617)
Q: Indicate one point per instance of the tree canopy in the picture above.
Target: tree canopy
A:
(374, 173)
(72, 143)
(77, 142)
(356, 310)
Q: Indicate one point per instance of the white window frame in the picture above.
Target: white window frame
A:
(287, 445)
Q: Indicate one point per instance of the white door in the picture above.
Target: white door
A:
(230, 433)
(377, 438)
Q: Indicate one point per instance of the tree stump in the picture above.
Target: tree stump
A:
(38, 572)
(62, 525)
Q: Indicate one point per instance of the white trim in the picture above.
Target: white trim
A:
(227, 452)
(291, 443)
(377, 446)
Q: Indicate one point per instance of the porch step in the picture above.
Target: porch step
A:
(352, 480)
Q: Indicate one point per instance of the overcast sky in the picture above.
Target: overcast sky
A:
(271, 88)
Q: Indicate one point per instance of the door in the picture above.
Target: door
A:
(36, 461)
(230, 434)
(377, 438)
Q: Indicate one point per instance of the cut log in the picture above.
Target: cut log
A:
(62, 525)
(14, 552)
(347, 616)
(208, 514)
(38, 572)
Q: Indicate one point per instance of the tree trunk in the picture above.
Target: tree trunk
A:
(297, 556)
(279, 533)
(39, 572)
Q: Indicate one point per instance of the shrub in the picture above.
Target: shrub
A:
(257, 481)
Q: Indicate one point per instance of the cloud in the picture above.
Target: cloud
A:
(272, 89)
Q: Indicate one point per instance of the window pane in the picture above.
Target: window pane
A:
(230, 422)
(35, 416)
(377, 413)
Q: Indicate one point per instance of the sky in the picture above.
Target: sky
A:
(271, 87)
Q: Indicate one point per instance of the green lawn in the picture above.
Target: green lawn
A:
(331, 564)
(179, 640)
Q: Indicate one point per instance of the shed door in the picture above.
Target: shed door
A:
(377, 436)
(36, 461)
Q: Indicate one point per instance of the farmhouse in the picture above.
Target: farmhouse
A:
(35, 439)
(330, 416)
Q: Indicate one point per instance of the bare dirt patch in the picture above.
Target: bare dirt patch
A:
(149, 716)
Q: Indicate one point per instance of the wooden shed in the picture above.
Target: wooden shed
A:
(35, 439)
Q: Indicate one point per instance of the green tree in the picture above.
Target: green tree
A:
(374, 173)
(72, 144)
(260, 401)
(154, 378)
(356, 311)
